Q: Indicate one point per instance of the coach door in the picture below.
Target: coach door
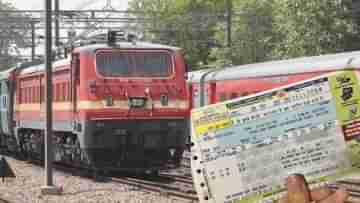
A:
(75, 73)
(3, 108)
(4, 91)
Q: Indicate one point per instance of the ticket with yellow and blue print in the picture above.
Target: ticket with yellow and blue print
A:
(244, 149)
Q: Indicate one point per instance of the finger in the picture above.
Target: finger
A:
(282, 200)
(339, 196)
(297, 189)
(320, 194)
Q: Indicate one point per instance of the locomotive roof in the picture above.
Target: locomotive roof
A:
(92, 48)
(6, 73)
(125, 45)
(330, 62)
(33, 69)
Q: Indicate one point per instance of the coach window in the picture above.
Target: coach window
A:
(38, 94)
(55, 92)
(69, 92)
(18, 95)
(61, 92)
(65, 91)
(57, 98)
(23, 99)
(62, 96)
(25, 95)
(42, 96)
(22, 95)
(29, 89)
(33, 94)
(4, 101)
(62, 87)
(30, 95)
(28, 99)
(26, 89)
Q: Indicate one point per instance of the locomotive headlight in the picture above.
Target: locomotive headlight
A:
(164, 99)
(137, 102)
(109, 101)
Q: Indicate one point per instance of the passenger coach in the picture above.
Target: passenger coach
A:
(220, 84)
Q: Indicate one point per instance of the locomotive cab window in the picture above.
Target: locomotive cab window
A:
(134, 64)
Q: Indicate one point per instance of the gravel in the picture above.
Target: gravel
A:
(29, 179)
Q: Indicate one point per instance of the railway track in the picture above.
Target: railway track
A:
(172, 185)
(180, 186)
(179, 178)
(164, 184)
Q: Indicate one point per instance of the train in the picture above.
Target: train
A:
(211, 86)
(126, 105)
(119, 105)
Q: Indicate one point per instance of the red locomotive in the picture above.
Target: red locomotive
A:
(117, 105)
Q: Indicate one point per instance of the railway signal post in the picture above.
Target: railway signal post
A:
(49, 187)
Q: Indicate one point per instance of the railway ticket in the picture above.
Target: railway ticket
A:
(243, 149)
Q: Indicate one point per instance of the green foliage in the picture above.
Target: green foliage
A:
(261, 29)
(188, 24)
(305, 27)
(251, 33)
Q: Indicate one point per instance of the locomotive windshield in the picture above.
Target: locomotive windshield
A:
(134, 64)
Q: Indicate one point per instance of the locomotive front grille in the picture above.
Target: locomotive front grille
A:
(134, 143)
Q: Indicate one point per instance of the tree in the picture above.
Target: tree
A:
(252, 33)
(305, 28)
(188, 24)
(261, 29)
(11, 38)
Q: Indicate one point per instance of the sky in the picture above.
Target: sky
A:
(65, 5)
(69, 4)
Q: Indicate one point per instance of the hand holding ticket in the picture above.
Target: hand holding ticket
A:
(245, 148)
(298, 192)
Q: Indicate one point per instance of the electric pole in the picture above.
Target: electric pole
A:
(57, 19)
(49, 187)
(33, 46)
